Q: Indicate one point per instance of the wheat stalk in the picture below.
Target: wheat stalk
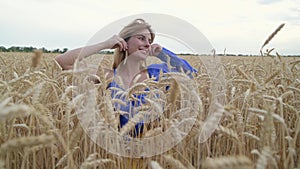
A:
(176, 164)
(129, 126)
(92, 161)
(155, 165)
(36, 58)
(272, 35)
(228, 162)
(20, 143)
(13, 111)
(228, 132)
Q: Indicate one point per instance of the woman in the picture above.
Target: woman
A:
(132, 46)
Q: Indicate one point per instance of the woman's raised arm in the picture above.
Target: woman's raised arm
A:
(67, 59)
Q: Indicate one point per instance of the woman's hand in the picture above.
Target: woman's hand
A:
(116, 42)
(155, 49)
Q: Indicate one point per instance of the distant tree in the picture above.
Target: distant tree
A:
(30, 49)
(3, 49)
(12, 49)
(65, 50)
(44, 50)
(56, 51)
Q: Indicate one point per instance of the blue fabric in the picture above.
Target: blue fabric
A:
(153, 71)
(178, 63)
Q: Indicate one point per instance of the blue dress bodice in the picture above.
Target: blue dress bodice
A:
(153, 71)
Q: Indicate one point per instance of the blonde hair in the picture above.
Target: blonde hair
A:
(126, 33)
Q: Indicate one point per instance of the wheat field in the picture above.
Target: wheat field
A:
(259, 122)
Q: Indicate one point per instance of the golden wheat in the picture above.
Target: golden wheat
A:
(257, 126)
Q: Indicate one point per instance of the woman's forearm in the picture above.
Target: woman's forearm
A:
(67, 60)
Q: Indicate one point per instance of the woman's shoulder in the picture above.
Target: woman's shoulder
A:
(108, 73)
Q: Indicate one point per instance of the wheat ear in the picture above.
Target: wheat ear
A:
(272, 35)
(228, 162)
(20, 143)
(176, 164)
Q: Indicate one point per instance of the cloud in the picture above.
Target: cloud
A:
(239, 26)
(293, 16)
(267, 2)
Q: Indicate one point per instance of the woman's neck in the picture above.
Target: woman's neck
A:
(127, 70)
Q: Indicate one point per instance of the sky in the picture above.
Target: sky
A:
(233, 26)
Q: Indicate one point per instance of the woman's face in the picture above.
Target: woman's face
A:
(139, 44)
